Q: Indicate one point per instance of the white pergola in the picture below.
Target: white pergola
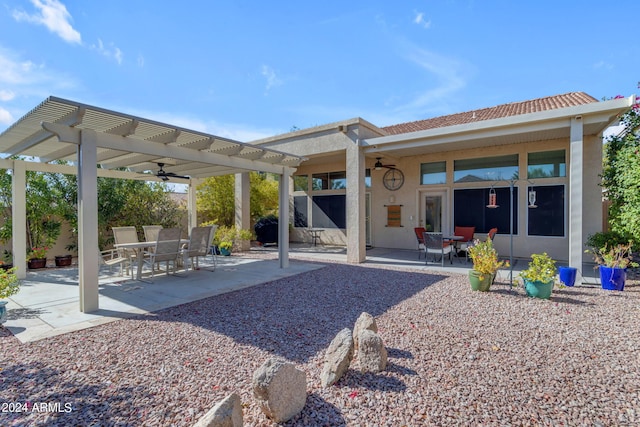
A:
(100, 142)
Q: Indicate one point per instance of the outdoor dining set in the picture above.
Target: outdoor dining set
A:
(439, 244)
(160, 246)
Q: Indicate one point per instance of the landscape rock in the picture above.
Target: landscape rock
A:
(281, 389)
(372, 355)
(226, 413)
(337, 358)
(365, 321)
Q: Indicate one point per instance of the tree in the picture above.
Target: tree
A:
(216, 198)
(621, 176)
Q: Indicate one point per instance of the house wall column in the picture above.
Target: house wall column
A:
(576, 186)
(283, 217)
(19, 213)
(243, 205)
(88, 221)
(356, 233)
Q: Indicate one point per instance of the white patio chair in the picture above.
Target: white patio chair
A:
(434, 244)
(125, 235)
(199, 245)
(166, 249)
(111, 257)
(151, 233)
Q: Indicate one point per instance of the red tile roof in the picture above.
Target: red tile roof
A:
(505, 110)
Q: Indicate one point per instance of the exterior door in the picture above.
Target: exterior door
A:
(435, 216)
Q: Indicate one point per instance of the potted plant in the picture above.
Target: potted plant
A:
(37, 257)
(225, 247)
(9, 285)
(540, 276)
(63, 260)
(7, 260)
(613, 260)
(485, 265)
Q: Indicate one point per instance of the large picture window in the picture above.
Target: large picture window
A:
(329, 211)
(300, 211)
(486, 169)
(548, 218)
(546, 164)
(470, 209)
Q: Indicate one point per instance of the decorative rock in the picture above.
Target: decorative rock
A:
(372, 355)
(337, 358)
(226, 413)
(281, 389)
(365, 321)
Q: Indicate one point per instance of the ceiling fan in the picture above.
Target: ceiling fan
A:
(165, 176)
(379, 165)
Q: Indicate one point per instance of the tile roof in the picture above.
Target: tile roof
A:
(505, 110)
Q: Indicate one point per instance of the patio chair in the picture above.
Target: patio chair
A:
(151, 232)
(111, 257)
(434, 244)
(166, 249)
(467, 241)
(420, 238)
(492, 233)
(199, 245)
(126, 235)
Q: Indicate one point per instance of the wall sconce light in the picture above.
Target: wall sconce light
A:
(392, 199)
(493, 199)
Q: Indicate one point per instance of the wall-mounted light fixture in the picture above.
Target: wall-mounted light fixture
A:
(493, 199)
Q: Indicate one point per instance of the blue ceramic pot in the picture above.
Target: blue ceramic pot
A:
(3, 311)
(612, 278)
(568, 275)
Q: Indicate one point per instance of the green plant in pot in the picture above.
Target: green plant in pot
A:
(9, 285)
(225, 247)
(613, 260)
(485, 265)
(539, 277)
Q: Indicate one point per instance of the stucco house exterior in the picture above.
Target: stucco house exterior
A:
(443, 171)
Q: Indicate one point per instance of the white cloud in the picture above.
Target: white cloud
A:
(54, 16)
(419, 19)
(5, 117)
(447, 72)
(140, 61)
(6, 95)
(272, 79)
(111, 51)
(603, 65)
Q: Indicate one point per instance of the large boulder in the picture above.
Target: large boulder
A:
(280, 388)
(226, 413)
(365, 321)
(372, 355)
(337, 358)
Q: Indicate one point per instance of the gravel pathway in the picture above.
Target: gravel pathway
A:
(456, 357)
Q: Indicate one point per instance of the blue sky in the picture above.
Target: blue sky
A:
(252, 69)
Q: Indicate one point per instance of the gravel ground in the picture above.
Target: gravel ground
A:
(456, 357)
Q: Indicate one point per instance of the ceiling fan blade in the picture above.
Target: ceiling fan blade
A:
(166, 175)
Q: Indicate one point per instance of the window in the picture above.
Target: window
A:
(367, 178)
(320, 181)
(433, 173)
(486, 169)
(301, 183)
(300, 211)
(329, 211)
(548, 218)
(338, 180)
(470, 209)
(547, 164)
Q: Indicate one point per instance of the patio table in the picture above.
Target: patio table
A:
(139, 247)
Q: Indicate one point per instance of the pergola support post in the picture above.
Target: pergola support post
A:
(283, 218)
(355, 210)
(243, 206)
(19, 215)
(88, 249)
